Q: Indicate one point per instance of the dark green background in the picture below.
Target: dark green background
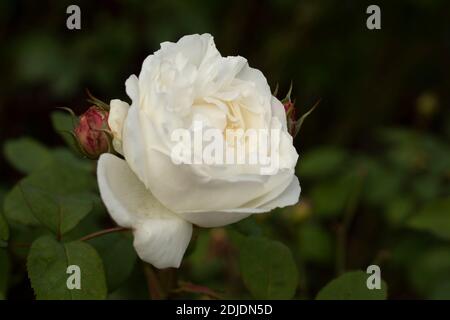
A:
(384, 113)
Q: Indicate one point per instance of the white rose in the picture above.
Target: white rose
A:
(180, 83)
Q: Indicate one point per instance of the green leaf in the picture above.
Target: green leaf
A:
(4, 273)
(62, 179)
(62, 172)
(21, 238)
(26, 154)
(67, 158)
(405, 152)
(434, 218)
(57, 196)
(57, 212)
(430, 269)
(93, 222)
(17, 210)
(315, 243)
(330, 197)
(268, 269)
(412, 150)
(382, 184)
(4, 228)
(63, 124)
(441, 291)
(321, 162)
(398, 210)
(352, 286)
(110, 247)
(426, 187)
(249, 227)
(47, 269)
(62, 121)
(407, 249)
(237, 238)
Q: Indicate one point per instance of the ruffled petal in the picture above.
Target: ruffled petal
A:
(116, 119)
(217, 219)
(161, 236)
(162, 241)
(286, 194)
(279, 112)
(289, 197)
(132, 87)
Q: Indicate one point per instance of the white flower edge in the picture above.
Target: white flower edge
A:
(117, 115)
(160, 236)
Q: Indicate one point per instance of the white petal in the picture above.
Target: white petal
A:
(198, 49)
(289, 197)
(110, 183)
(282, 196)
(179, 187)
(161, 236)
(257, 77)
(117, 115)
(162, 242)
(285, 179)
(279, 112)
(215, 219)
(135, 144)
(132, 87)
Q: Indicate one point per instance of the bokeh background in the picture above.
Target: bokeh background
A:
(374, 156)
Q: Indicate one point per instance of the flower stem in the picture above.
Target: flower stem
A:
(153, 284)
(103, 232)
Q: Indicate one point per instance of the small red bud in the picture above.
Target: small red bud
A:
(289, 107)
(91, 132)
(293, 120)
(291, 115)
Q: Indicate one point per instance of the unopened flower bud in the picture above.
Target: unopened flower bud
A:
(291, 114)
(289, 106)
(293, 120)
(91, 132)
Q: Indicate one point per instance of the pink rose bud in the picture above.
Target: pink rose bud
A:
(91, 132)
(291, 114)
(291, 118)
(289, 106)
(294, 121)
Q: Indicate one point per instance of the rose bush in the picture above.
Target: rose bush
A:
(146, 191)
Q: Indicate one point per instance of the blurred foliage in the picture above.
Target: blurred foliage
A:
(351, 286)
(374, 156)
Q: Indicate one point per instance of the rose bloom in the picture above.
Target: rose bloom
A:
(159, 200)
